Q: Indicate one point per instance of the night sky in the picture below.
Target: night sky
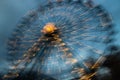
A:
(11, 12)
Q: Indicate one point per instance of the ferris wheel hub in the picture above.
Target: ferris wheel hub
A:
(49, 28)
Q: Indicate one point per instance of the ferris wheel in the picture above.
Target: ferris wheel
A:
(63, 39)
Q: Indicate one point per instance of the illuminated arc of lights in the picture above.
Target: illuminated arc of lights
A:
(79, 26)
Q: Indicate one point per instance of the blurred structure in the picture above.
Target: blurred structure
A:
(62, 40)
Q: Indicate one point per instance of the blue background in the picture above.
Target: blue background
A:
(11, 12)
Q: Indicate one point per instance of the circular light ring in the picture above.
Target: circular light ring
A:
(83, 34)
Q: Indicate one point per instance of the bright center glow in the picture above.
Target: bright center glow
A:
(49, 28)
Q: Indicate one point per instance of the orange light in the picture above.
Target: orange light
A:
(49, 28)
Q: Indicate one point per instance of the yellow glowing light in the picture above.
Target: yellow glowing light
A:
(49, 28)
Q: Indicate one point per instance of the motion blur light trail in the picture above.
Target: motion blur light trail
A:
(63, 39)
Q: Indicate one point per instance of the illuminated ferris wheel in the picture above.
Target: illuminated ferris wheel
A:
(63, 39)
